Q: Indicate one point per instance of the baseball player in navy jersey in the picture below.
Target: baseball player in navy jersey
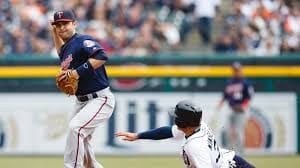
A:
(238, 92)
(200, 149)
(81, 56)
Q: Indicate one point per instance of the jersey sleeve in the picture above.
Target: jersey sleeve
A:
(249, 90)
(225, 94)
(93, 49)
(157, 133)
(177, 134)
(197, 154)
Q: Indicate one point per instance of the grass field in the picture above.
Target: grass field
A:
(140, 162)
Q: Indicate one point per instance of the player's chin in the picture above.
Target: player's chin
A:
(64, 35)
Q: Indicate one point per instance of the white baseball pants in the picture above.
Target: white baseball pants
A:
(86, 117)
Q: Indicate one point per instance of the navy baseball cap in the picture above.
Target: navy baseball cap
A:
(63, 16)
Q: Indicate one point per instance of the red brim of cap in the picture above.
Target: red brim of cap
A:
(62, 20)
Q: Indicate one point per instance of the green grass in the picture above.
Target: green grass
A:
(140, 162)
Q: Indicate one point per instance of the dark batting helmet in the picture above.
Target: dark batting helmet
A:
(186, 114)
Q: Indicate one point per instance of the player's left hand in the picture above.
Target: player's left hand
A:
(127, 136)
(232, 164)
(67, 81)
(67, 74)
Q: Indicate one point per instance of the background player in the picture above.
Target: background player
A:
(200, 148)
(83, 57)
(237, 92)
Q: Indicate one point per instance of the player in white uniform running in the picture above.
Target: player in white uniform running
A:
(200, 149)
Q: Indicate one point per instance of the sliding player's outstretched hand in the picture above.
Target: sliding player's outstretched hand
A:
(127, 136)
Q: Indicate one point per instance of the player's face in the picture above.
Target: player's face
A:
(65, 29)
(237, 73)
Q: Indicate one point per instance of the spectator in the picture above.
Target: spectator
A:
(205, 12)
(5, 41)
(259, 26)
(225, 44)
(2, 48)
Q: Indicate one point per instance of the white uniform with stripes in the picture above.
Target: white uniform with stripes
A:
(200, 150)
(86, 117)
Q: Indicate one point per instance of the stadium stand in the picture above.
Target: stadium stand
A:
(143, 27)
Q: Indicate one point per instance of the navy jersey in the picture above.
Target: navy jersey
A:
(237, 90)
(75, 52)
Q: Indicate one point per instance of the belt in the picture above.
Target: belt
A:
(84, 98)
(87, 97)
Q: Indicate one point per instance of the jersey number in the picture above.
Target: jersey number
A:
(213, 146)
(185, 158)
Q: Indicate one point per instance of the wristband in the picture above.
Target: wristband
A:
(85, 68)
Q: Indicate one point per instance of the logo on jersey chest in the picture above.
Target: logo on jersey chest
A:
(234, 88)
(66, 63)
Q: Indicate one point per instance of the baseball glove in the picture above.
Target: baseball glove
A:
(67, 82)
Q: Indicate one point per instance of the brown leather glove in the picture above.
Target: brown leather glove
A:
(67, 82)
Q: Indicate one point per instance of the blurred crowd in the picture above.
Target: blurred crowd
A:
(143, 27)
(261, 27)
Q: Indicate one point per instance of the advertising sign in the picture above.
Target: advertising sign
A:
(37, 123)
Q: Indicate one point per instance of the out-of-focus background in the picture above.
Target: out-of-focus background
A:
(143, 27)
(160, 51)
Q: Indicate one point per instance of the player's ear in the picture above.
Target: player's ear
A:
(74, 23)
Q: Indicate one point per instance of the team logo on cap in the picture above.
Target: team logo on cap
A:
(60, 14)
